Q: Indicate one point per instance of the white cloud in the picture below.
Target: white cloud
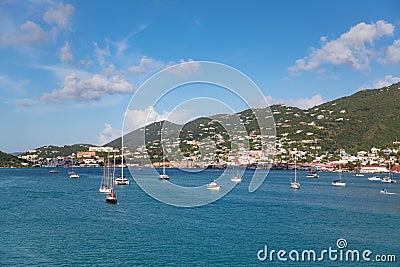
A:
(30, 33)
(101, 53)
(303, 103)
(108, 134)
(392, 54)
(59, 16)
(65, 53)
(350, 49)
(137, 118)
(33, 32)
(145, 66)
(184, 68)
(386, 81)
(93, 88)
(25, 103)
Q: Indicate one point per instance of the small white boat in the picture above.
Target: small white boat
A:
(338, 183)
(73, 175)
(374, 178)
(387, 179)
(121, 181)
(359, 174)
(164, 175)
(312, 175)
(53, 171)
(106, 186)
(295, 184)
(236, 179)
(384, 191)
(111, 198)
(105, 189)
(213, 186)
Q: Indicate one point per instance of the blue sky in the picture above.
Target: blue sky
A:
(68, 69)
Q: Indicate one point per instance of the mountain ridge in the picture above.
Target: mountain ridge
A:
(356, 122)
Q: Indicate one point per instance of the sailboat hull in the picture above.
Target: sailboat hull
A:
(111, 198)
(105, 190)
(164, 177)
(121, 181)
(337, 183)
(295, 185)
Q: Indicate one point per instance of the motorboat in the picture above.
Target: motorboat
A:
(338, 183)
(384, 191)
(73, 175)
(312, 174)
(213, 186)
(236, 179)
(387, 179)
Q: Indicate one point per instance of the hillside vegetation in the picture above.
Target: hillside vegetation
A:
(7, 160)
(366, 119)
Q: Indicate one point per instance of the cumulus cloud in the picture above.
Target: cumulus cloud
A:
(150, 65)
(92, 88)
(35, 32)
(392, 54)
(386, 81)
(59, 16)
(303, 103)
(352, 48)
(136, 118)
(108, 134)
(101, 53)
(30, 33)
(65, 53)
(145, 66)
(185, 68)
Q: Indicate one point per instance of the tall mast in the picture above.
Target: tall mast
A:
(122, 161)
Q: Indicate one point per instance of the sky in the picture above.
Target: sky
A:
(69, 69)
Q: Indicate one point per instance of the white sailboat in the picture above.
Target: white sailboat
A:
(295, 184)
(236, 177)
(388, 179)
(72, 173)
(122, 180)
(384, 191)
(164, 175)
(313, 174)
(112, 197)
(339, 182)
(105, 182)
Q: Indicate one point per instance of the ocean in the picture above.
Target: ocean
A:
(51, 220)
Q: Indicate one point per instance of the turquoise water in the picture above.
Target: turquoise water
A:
(52, 220)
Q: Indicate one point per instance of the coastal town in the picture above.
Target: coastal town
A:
(376, 160)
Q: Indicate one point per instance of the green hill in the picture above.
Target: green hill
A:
(366, 119)
(7, 160)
